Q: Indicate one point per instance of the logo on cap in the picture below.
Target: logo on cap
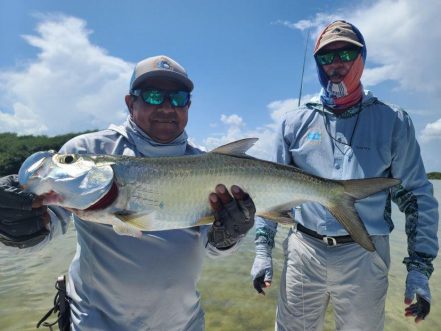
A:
(164, 65)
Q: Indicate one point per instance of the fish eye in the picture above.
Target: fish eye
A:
(67, 159)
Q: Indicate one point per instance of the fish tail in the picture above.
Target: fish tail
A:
(343, 209)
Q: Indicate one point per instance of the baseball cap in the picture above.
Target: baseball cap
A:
(160, 66)
(337, 31)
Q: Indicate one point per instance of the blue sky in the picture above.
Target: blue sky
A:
(65, 65)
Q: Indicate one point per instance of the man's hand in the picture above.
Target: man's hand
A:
(233, 216)
(262, 270)
(23, 218)
(417, 284)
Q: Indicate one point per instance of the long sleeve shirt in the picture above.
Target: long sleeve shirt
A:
(372, 139)
(125, 283)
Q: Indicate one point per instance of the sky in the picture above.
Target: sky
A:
(65, 65)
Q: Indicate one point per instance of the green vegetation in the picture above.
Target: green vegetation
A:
(15, 149)
(434, 175)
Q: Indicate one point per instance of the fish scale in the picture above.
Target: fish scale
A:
(166, 193)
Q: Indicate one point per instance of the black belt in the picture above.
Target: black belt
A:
(330, 241)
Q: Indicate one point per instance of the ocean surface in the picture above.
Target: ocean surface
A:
(230, 302)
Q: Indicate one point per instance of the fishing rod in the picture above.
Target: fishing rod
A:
(303, 67)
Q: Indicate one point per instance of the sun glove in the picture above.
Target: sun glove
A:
(20, 225)
(262, 269)
(232, 222)
(417, 284)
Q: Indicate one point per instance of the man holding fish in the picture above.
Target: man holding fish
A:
(349, 134)
(144, 280)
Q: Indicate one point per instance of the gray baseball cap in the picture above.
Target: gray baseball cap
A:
(160, 66)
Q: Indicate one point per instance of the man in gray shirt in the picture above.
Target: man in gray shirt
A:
(125, 283)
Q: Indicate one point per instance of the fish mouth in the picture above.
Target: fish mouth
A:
(31, 166)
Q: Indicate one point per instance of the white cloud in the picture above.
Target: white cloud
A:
(72, 85)
(320, 20)
(23, 120)
(236, 129)
(431, 132)
(402, 38)
(232, 120)
(404, 41)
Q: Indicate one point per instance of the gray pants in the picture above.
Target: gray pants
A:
(353, 279)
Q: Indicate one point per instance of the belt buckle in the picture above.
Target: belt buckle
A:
(330, 241)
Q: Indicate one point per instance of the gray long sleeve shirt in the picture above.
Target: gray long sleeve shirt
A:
(374, 140)
(124, 283)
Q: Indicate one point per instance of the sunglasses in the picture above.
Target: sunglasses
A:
(157, 97)
(345, 55)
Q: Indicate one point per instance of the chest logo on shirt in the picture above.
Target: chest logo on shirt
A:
(314, 136)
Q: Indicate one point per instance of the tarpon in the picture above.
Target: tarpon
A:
(137, 194)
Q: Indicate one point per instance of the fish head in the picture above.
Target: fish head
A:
(69, 180)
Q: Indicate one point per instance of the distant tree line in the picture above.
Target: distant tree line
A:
(15, 149)
(434, 175)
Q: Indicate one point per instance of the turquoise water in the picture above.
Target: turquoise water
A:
(230, 302)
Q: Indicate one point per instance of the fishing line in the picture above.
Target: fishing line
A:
(303, 67)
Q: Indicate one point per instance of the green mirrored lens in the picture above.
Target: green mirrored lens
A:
(157, 97)
(326, 58)
(345, 55)
(179, 99)
(348, 55)
(153, 97)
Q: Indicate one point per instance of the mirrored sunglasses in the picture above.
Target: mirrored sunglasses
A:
(157, 97)
(345, 55)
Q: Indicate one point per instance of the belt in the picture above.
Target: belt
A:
(330, 241)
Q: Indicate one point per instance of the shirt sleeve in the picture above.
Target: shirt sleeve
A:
(414, 196)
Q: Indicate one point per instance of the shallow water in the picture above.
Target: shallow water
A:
(230, 302)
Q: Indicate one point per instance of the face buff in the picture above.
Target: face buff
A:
(349, 91)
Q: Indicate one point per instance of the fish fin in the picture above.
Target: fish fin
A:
(138, 221)
(125, 229)
(282, 213)
(205, 220)
(282, 217)
(343, 209)
(362, 188)
(238, 147)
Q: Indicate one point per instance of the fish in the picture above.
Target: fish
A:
(135, 194)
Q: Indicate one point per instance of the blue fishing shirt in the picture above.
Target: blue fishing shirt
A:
(374, 140)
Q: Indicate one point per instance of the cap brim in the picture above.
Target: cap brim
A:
(169, 75)
(356, 43)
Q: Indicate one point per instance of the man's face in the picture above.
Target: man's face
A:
(337, 70)
(164, 122)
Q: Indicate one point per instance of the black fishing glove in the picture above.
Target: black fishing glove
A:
(233, 216)
(20, 225)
